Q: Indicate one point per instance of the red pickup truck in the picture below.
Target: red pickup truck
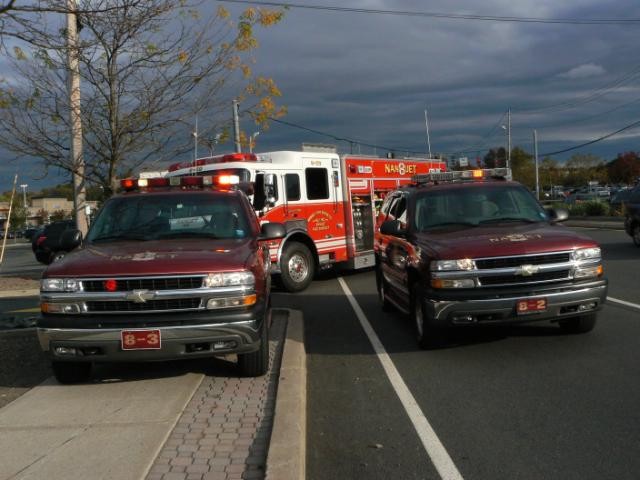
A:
(170, 269)
(457, 249)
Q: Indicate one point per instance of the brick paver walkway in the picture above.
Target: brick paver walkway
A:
(224, 432)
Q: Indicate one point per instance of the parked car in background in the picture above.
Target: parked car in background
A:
(45, 243)
(29, 232)
(620, 197)
(632, 215)
(580, 197)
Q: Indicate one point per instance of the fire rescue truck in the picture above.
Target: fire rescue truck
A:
(328, 203)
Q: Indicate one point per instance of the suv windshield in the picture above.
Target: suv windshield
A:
(153, 217)
(484, 204)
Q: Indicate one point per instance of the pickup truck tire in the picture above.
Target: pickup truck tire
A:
(582, 324)
(256, 364)
(71, 372)
(382, 288)
(297, 267)
(428, 336)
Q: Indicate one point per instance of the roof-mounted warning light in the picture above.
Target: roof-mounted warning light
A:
(462, 175)
(195, 182)
(230, 157)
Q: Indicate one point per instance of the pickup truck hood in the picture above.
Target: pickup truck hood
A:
(505, 239)
(157, 257)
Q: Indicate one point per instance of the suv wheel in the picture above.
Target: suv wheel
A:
(635, 234)
(256, 364)
(297, 267)
(582, 324)
(382, 288)
(428, 336)
(71, 372)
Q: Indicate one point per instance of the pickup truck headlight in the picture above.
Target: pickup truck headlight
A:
(229, 279)
(452, 265)
(587, 254)
(59, 285)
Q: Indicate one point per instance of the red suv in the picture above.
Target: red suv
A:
(170, 269)
(471, 248)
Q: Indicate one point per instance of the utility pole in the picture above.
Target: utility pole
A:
(426, 121)
(236, 125)
(535, 156)
(24, 186)
(509, 138)
(77, 161)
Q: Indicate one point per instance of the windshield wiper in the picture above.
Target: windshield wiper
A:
(186, 234)
(509, 219)
(447, 224)
(126, 236)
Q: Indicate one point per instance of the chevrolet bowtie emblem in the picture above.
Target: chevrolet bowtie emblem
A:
(139, 296)
(527, 270)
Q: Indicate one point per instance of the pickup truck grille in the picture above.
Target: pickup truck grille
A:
(151, 283)
(149, 305)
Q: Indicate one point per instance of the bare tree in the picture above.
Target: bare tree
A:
(148, 67)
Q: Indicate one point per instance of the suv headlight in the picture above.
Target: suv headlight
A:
(229, 279)
(587, 254)
(59, 285)
(453, 265)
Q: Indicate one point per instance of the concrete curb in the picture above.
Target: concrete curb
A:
(286, 459)
(32, 292)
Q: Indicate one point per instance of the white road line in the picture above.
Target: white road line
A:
(436, 451)
(622, 302)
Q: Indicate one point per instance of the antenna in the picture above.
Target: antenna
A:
(426, 121)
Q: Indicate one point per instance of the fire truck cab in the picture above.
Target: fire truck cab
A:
(327, 202)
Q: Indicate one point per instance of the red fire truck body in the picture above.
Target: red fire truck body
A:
(328, 203)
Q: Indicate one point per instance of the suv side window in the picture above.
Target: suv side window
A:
(317, 183)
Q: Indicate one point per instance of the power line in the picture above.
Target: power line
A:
(450, 16)
(604, 137)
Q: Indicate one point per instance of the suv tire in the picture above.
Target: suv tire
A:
(297, 267)
(428, 336)
(71, 372)
(582, 324)
(382, 288)
(256, 364)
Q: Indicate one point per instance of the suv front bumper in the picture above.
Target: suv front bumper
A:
(560, 304)
(104, 344)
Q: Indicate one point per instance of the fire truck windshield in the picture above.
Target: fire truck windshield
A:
(156, 217)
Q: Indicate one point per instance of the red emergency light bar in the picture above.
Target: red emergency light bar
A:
(201, 181)
(459, 175)
(231, 157)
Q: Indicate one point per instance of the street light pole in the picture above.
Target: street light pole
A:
(509, 138)
(24, 186)
(535, 155)
(252, 141)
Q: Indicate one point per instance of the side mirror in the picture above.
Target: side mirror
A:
(558, 215)
(391, 227)
(269, 180)
(272, 230)
(269, 187)
(70, 239)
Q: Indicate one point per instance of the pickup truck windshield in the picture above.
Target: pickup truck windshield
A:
(154, 217)
(485, 204)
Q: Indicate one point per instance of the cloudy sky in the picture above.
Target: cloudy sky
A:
(369, 77)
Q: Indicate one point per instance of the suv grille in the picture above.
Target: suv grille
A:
(124, 306)
(160, 283)
(511, 274)
(537, 277)
(506, 262)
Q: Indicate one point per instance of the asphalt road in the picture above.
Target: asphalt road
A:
(508, 403)
(19, 261)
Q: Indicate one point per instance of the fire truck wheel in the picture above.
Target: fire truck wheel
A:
(71, 372)
(296, 267)
(582, 324)
(256, 364)
(428, 336)
(382, 288)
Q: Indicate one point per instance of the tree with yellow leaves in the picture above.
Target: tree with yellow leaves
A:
(148, 69)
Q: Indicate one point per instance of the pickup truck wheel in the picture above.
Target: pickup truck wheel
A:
(582, 324)
(636, 235)
(256, 364)
(71, 372)
(382, 288)
(297, 267)
(428, 336)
